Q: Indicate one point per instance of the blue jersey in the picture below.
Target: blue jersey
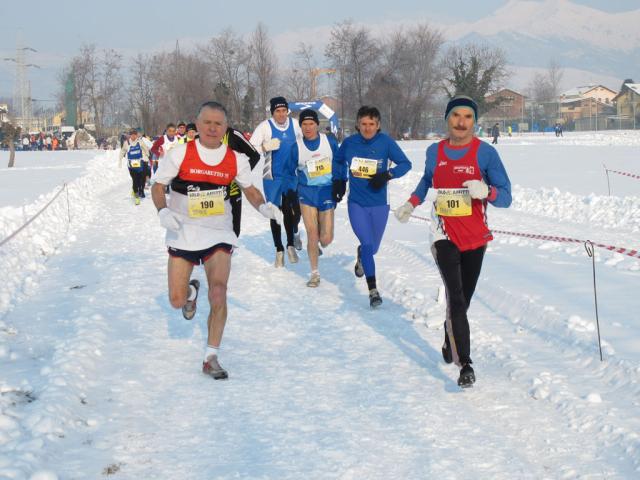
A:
(280, 157)
(296, 163)
(491, 168)
(379, 151)
(134, 157)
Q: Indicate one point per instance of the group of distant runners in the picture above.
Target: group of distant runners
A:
(197, 187)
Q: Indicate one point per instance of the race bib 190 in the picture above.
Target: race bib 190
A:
(453, 202)
(363, 167)
(318, 167)
(206, 203)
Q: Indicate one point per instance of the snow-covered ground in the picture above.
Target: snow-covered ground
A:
(100, 378)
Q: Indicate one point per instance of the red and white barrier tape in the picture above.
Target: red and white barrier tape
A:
(624, 251)
(626, 174)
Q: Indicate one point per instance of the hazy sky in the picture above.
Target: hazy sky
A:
(56, 29)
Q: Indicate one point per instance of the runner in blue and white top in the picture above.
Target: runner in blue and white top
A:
(365, 159)
(311, 159)
(137, 154)
(274, 137)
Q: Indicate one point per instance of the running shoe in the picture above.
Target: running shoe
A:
(467, 376)
(212, 368)
(292, 254)
(297, 241)
(279, 259)
(314, 281)
(189, 309)
(374, 298)
(447, 356)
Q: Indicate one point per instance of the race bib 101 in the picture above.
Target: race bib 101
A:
(318, 167)
(453, 202)
(363, 167)
(206, 203)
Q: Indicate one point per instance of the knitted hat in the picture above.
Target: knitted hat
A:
(308, 114)
(277, 102)
(461, 101)
(191, 126)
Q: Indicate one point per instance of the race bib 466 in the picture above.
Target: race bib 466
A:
(363, 167)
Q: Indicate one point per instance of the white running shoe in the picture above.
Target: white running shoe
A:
(314, 281)
(297, 242)
(212, 367)
(292, 254)
(189, 309)
(279, 259)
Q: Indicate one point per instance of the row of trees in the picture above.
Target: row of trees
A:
(406, 73)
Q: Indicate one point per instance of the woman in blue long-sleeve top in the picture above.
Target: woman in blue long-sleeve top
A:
(365, 159)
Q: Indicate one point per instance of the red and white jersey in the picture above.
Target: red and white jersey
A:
(191, 167)
(471, 231)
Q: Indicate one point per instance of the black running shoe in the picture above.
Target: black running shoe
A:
(374, 298)
(467, 376)
(358, 270)
(189, 309)
(446, 352)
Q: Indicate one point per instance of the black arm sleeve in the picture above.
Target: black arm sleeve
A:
(240, 144)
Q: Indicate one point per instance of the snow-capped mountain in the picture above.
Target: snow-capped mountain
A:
(580, 37)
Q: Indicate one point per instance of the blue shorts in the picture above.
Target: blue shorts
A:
(318, 197)
(200, 256)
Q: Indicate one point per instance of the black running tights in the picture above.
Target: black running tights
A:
(291, 216)
(459, 272)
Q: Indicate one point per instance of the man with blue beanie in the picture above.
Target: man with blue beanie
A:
(274, 138)
(463, 175)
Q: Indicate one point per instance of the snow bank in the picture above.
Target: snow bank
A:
(24, 257)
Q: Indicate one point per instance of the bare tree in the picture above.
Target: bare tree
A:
(228, 60)
(474, 70)
(354, 54)
(263, 63)
(141, 92)
(10, 133)
(98, 82)
(298, 78)
(408, 77)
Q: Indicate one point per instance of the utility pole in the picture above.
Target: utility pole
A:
(22, 90)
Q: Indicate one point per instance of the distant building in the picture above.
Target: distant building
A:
(588, 107)
(628, 105)
(587, 113)
(4, 112)
(506, 104)
(600, 93)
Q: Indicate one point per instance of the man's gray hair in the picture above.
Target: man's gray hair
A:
(214, 106)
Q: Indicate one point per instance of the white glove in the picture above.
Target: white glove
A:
(477, 189)
(273, 144)
(404, 212)
(270, 211)
(168, 220)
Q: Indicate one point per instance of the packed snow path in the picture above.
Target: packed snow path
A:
(320, 386)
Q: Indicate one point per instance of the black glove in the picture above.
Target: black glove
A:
(338, 189)
(379, 180)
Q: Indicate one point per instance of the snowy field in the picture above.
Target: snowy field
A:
(100, 378)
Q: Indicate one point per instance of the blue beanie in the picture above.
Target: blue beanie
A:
(462, 101)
